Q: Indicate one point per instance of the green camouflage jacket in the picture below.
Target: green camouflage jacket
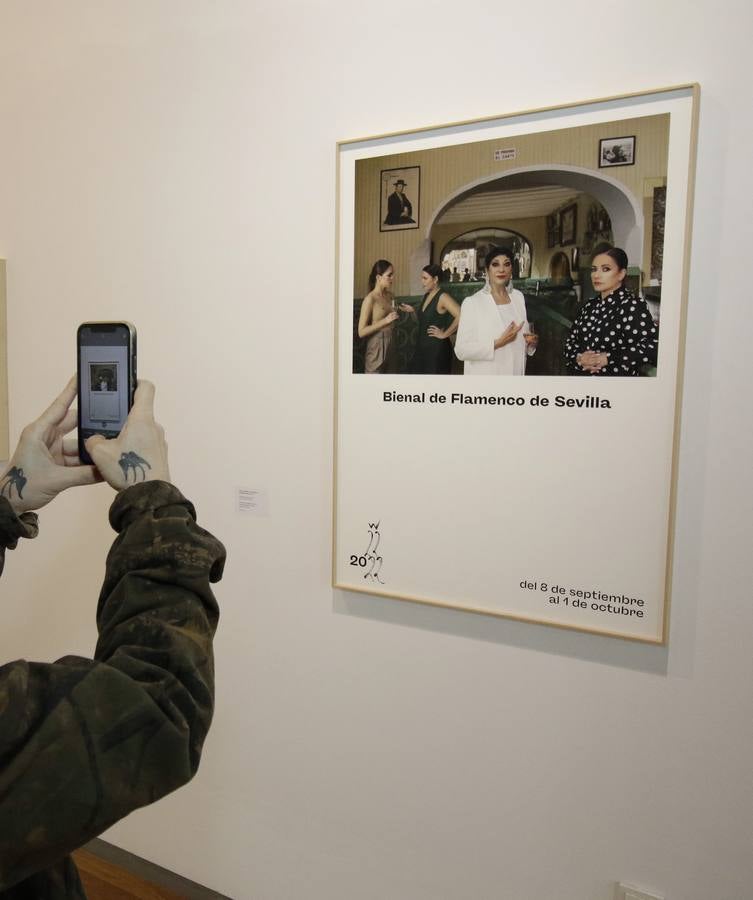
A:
(84, 742)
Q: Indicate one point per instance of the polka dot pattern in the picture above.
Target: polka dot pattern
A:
(619, 324)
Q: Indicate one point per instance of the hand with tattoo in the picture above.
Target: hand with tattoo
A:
(46, 462)
(133, 461)
(139, 453)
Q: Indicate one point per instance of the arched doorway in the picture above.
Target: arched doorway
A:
(464, 254)
(622, 207)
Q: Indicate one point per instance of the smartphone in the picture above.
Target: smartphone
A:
(106, 354)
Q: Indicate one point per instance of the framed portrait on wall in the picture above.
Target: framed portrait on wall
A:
(505, 445)
(400, 195)
(552, 231)
(618, 151)
(568, 223)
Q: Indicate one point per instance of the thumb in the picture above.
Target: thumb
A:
(92, 444)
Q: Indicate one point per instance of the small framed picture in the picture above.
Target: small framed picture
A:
(103, 377)
(551, 231)
(400, 194)
(568, 224)
(619, 151)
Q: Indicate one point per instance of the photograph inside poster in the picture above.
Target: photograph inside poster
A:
(553, 245)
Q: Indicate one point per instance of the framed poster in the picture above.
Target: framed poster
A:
(549, 497)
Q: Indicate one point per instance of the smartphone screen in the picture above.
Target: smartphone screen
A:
(106, 379)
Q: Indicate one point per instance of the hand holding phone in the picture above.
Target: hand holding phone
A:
(46, 461)
(106, 353)
(139, 453)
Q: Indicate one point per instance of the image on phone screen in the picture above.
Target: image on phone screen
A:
(104, 380)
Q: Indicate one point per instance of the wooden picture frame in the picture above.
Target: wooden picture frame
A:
(4, 425)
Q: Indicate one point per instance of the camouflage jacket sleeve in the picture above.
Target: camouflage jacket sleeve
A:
(13, 527)
(84, 742)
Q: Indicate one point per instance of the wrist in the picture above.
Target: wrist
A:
(14, 525)
(15, 505)
(12, 483)
(141, 474)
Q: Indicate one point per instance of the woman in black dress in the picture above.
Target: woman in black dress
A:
(437, 322)
(614, 333)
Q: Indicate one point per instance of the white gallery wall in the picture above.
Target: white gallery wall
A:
(173, 163)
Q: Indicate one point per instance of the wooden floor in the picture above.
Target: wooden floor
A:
(105, 881)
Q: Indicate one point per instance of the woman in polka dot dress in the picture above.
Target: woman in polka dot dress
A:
(614, 333)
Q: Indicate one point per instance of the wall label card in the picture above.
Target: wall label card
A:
(252, 501)
(508, 362)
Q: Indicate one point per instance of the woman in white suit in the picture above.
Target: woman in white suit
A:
(494, 336)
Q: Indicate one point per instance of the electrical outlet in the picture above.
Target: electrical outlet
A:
(630, 892)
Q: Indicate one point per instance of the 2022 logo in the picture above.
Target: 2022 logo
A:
(370, 560)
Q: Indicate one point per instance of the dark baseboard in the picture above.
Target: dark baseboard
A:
(149, 871)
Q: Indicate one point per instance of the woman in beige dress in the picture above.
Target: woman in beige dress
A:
(377, 319)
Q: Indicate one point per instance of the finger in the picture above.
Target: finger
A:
(88, 474)
(56, 411)
(77, 476)
(92, 445)
(143, 400)
(70, 452)
(74, 462)
(69, 422)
